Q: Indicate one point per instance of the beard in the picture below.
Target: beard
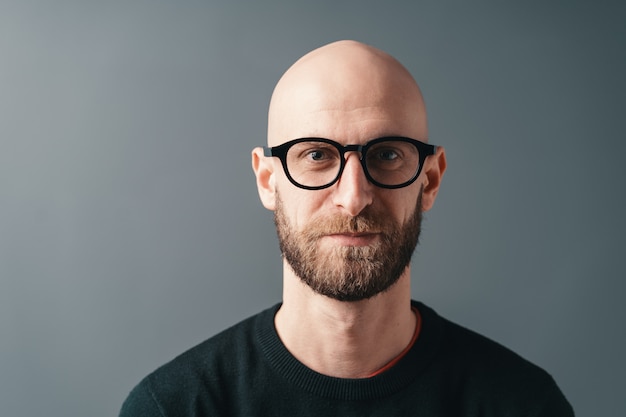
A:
(349, 273)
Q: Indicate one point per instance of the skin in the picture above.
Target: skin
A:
(351, 93)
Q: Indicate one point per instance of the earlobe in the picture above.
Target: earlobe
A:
(434, 168)
(264, 171)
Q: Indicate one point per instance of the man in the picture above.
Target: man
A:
(347, 173)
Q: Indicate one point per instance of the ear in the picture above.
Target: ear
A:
(434, 168)
(264, 171)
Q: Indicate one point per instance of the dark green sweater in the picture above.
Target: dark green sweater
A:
(247, 371)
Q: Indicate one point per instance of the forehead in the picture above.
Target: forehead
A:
(356, 116)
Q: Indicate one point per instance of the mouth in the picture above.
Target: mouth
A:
(354, 239)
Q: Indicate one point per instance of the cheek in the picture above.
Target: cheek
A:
(400, 204)
(307, 208)
(299, 206)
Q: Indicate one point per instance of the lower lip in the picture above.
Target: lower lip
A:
(354, 240)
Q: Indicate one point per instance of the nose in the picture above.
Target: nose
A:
(353, 192)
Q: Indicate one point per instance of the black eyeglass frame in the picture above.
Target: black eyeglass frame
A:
(424, 149)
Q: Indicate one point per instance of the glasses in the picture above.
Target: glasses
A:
(317, 163)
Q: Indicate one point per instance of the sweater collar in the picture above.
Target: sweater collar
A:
(382, 385)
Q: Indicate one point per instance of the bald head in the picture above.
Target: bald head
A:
(346, 91)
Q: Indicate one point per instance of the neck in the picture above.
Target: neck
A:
(345, 339)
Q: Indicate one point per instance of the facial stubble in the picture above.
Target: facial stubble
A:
(349, 273)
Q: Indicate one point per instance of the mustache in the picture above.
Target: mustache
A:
(362, 223)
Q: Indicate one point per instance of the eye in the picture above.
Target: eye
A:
(317, 155)
(386, 155)
(312, 155)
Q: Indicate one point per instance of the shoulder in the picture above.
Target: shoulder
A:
(476, 352)
(486, 372)
(469, 349)
(201, 374)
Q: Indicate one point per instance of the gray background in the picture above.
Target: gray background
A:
(130, 227)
